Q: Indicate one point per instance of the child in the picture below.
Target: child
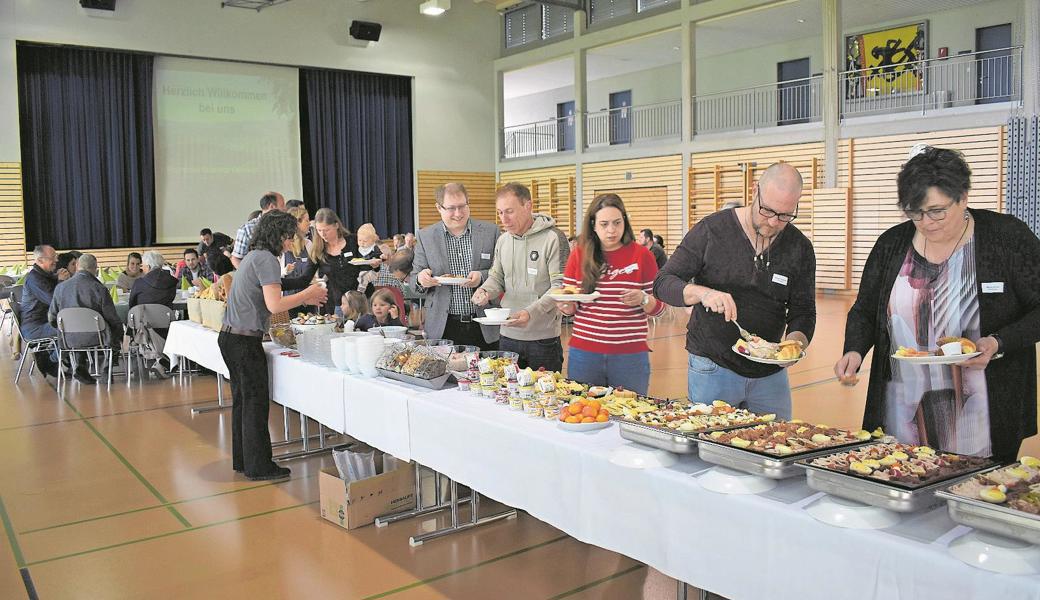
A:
(353, 305)
(384, 312)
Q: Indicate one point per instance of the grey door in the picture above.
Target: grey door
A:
(620, 117)
(995, 64)
(792, 91)
(565, 126)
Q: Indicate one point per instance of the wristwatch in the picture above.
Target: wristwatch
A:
(646, 299)
(1000, 346)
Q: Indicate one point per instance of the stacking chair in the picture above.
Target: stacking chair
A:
(6, 287)
(144, 317)
(29, 347)
(82, 321)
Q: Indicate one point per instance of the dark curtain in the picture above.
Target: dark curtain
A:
(356, 147)
(86, 134)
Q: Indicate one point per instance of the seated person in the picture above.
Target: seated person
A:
(84, 290)
(193, 269)
(384, 312)
(210, 242)
(37, 292)
(157, 286)
(398, 242)
(67, 264)
(353, 306)
(132, 273)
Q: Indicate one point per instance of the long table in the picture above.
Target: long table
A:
(754, 546)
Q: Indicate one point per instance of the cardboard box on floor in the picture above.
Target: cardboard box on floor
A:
(357, 503)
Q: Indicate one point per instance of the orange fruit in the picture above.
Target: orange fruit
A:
(574, 409)
(588, 411)
(587, 419)
(563, 415)
(572, 419)
(602, 418)
(603, 413)
(595, 404)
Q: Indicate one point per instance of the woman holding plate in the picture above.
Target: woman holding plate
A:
(949, 271)
(608, 346)
(331, 255)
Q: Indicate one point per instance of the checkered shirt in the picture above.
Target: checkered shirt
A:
(243, 237)
(460, 260)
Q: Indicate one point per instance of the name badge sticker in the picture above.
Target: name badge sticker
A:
(993, 287)
(778, 278)
(348, 254)
(485, 256)
(532, 271)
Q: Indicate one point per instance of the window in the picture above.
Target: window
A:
(603, 10)
(556, 20)
(652, 4)
(533, 22)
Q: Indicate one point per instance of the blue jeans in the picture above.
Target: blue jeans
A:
(630, 371)
(707, 382)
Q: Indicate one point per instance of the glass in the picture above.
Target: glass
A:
(935, 214)
(770, 213)
(452, 209)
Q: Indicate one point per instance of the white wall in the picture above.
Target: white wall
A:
(450, 57)
(535, 107)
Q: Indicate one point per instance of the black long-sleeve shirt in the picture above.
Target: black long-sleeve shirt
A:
(776, 295)
(341, 276)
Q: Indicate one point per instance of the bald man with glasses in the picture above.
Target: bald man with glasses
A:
(748, 263)
(461, 247)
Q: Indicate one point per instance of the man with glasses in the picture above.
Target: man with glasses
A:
(750, 264)
(37, 293)
(460, 247)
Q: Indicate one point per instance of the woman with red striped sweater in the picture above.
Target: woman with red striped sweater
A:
(608, 343)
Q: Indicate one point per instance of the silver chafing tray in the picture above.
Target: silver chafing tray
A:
(883, 494)
(763, 464)
(994, 518)
(433, 384)
(657, 437)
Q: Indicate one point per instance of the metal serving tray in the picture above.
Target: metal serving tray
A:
(760, 463)
(433, 384)
(657, 437)
(878, 493)
(994, 518)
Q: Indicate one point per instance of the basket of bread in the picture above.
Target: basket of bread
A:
(212, 301)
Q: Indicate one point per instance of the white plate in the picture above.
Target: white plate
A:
(576, 297)
(451, 280)
(727, 481)
(769, 361)
(937, 360)
(491, 322)
(583, 426)
(357, 262)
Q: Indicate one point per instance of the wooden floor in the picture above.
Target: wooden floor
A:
(125, 494)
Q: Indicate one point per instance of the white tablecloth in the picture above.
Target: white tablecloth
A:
(737, 546)
(196, 343)
(307, 388)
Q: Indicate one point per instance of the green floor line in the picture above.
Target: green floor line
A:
(174, 503)
(593, 584)
(482, 563)
(147, 484)
(168, 534)
(11, 537)
(118, 414)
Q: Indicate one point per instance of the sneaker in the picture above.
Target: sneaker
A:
(84, 377)
(277, 473)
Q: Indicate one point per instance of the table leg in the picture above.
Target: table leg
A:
(437, 506)
(220, 400)
(306, 438)
(475, 521)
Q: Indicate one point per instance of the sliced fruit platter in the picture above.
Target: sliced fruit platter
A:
(901, 465)
(787, 438)
(1005, 501)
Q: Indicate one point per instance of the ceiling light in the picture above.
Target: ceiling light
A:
(801, 20)
(432, 8)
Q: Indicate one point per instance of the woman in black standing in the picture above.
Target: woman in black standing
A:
(949, 271)
(256, 293)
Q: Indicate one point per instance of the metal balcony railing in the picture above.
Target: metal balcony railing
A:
(632, 124)
(538, 138)
(934, 84)
(769, 105)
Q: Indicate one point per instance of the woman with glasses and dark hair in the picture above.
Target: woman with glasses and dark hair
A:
(750, 264)
(949, 272)
(608, 344)
(256, 293)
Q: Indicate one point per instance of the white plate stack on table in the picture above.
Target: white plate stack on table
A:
(1003, 505)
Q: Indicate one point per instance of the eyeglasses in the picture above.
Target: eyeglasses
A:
(452, 209)
(935, 214)
(770, 213)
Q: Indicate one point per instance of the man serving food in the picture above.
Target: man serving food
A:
(748, 264)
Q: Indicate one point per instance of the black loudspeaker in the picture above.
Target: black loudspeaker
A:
(98, 4)
(363, 30)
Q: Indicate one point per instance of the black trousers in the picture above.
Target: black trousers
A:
(251, 403)
(466, 333)
(537, 354)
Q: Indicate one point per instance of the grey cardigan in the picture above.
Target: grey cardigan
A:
(431, 253)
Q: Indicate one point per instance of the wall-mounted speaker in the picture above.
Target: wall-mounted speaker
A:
(98, 4)
(363, 30)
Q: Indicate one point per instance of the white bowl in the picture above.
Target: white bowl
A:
(369, 349)
(391, 331)
(850, 514)
(727, 481)
(996, 553)
(339, 355)
(634, 456)
(298, 329)
(952, 349)
(498, 314)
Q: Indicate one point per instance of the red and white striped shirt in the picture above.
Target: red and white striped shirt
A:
(608, 326)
